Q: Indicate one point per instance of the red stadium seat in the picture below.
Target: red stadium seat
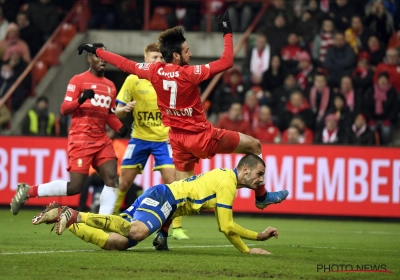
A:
(39, 70)
(51, 54)
(66, 34)
(158, 20)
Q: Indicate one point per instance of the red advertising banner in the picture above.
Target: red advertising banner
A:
(322, 180)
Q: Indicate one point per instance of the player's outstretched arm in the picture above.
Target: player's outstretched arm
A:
(122, 109)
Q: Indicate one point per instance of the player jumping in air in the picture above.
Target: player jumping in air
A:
(176, 83)
(149, 135)
(90, 98)
(215, 189)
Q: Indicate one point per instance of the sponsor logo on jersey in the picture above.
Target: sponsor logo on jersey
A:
(144, 66)
(150, 224)
(101, 101)
(71, 87)
(150, 202)
(166, 209)
(149, 116)
(167, 74)
(186, 112)
(197, 69)
(68, 98)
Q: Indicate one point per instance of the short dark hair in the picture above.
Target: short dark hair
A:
(250, 160)
(170, 41)
(42, 98)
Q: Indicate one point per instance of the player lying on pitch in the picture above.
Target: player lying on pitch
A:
(215, 189)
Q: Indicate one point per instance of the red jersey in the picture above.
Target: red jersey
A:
(178, 96)
(89, 119)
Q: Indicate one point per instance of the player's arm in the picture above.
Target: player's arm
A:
(114, 122)
(125, 102)
(74, 98)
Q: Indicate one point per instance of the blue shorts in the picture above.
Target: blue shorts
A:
(138, 152)
(152, 208)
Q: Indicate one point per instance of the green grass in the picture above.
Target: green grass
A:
(32, 252)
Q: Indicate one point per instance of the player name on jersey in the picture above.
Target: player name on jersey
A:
(186, 112)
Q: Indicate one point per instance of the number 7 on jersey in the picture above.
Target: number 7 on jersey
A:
(172, 86)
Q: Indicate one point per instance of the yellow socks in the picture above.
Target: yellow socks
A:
(90, 234)
(177, 222)
(110, 223)
(120, 198)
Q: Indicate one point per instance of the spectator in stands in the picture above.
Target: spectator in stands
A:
(362, 75)
(341, 12)
(279, 7)
(10, 71)
(320, 97)
(129, 15)
(13, 43)
(381, 106)
(360, 134)
(29, 33)
(39, 121)
(233, 120)
(279, 31)
(3, 25)
(241, 14)
(323, 41)
(290, 53)
(306, 28)
(376, 51)
(231, 88)
(250, 107)
(188, 14)
(305, 76)
(357, 34)
(331, 133)
(394, 41)
(392, 67)
(257, 60)
(63, 124)
(280, 96)
(263, 127)
(293, 135)
(10, 9)
(341, 111)
(340, 60)
(274, 76)
(5, 116)
(353, 100)
(317, 14)
(44, 15)
(211, 8)
(306, 135)
(297, 105)
(379, 20)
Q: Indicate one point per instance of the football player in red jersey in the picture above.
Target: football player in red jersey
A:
(90, 98)
(176, 83)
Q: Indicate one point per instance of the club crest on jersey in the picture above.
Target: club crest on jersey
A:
(79, 162)
(144, 66)
(197, 69)
(93, 86)
(71, 87)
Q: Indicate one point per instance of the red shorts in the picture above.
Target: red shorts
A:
(188, 148)
(82, 155)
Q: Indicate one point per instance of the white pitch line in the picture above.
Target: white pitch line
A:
(138, 248)
(343, 231)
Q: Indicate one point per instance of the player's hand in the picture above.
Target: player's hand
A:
(87, 47)
(122, 131)
(268, 233)
(258, 251)
(86, 94)
(129, 106)
(224, 25)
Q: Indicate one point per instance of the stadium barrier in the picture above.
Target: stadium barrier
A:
(322, 180)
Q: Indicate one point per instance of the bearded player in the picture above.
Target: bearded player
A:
(176, 83)
(90, 98)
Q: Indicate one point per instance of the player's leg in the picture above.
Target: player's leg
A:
(179, 233)
(135, 158)
(244, 144)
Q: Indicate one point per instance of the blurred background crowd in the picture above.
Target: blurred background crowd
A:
(316, 71)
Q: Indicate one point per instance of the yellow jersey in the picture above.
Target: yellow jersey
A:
(147, 124)
(215, 189)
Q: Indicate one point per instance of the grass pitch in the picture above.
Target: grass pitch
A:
(32, 252)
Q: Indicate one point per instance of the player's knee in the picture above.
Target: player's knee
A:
(256, 146)
(74, 188)
(138, 232)
(111, 180)
(124, 185)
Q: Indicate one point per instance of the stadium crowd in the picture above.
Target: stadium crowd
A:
(315, 72)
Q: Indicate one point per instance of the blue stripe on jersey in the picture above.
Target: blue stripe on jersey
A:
(199, 201)
(236, 173)
(224, 206)
(119, 101)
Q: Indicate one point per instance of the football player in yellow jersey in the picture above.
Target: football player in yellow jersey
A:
(149, 135)
(215, 189)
